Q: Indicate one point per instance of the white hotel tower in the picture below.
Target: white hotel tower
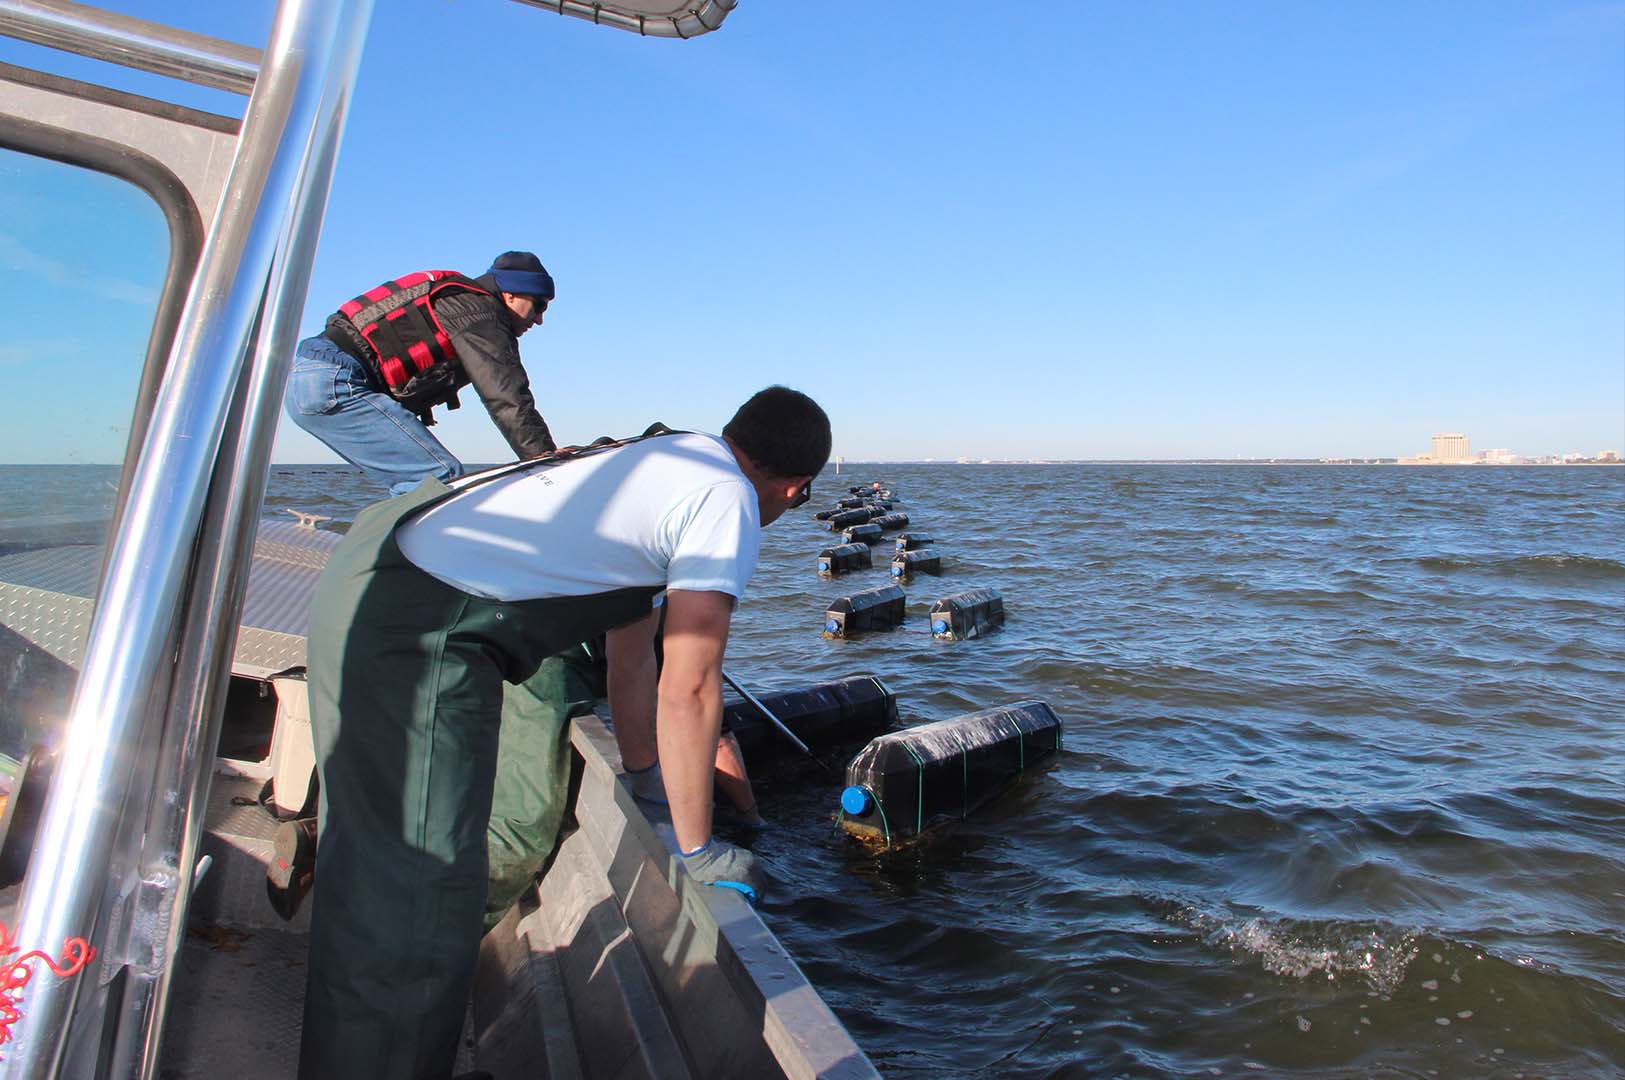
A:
(1450, 446)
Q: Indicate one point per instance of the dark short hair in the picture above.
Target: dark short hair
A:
(783, 430)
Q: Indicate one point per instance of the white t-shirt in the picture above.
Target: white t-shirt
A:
(673, 511)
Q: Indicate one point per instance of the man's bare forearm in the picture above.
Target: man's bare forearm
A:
(690, 723)
(690, 714)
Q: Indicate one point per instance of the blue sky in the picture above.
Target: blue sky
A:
(971, 229)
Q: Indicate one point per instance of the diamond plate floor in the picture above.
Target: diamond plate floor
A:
(239, 992)
(236, 1005)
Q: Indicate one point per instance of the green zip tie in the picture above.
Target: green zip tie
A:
(885, 826)
(919, 790)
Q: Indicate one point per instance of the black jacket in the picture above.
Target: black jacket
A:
(481, 330)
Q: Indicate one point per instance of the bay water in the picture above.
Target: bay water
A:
(1342, 786)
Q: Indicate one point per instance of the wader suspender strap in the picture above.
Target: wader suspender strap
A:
(557, 457)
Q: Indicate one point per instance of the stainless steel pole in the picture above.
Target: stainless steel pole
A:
(238, 494)
(258, 249)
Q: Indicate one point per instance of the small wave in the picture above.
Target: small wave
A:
(1299, 949)
(1570, 567)
(1123, 486)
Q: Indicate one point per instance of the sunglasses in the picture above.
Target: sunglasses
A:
(802, 496)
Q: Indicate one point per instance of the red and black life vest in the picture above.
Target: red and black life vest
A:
(398, 321)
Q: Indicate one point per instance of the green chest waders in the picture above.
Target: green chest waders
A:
(406, 681)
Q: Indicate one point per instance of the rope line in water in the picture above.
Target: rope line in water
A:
(76, 953)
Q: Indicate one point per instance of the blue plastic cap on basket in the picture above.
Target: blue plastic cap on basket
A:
(831, 626)
(854, 800)
(939, 627)
(897, 571)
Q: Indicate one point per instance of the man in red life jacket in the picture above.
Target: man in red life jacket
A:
(367, 385)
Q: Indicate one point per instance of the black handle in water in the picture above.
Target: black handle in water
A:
(906, 783)
(845, 710)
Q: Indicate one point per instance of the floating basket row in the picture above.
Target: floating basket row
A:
(963, 615)
(848, 558)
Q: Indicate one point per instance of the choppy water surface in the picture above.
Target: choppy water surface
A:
(1342, 791)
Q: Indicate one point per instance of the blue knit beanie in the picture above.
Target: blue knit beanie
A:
(521, 273)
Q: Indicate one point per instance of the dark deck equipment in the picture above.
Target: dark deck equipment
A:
(834, 561)
(905, 564)
(913, 541)
(968, 614)
(861, 534)
(903, 784)
(872, 609)
(822, 713)
(890, 522)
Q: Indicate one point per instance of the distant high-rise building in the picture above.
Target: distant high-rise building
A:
(1450, 446)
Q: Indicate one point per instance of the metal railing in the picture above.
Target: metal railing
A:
(131, 42)
(114, 854)
(114, 851)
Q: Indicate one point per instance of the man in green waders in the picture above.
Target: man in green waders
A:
(432, 602)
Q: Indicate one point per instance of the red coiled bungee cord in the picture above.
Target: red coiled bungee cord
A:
(76, 953)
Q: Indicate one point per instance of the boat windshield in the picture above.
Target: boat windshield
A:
(86, 256)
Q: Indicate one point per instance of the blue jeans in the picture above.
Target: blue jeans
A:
(330, 396)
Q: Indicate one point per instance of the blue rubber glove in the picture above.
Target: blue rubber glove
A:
(720, 863)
